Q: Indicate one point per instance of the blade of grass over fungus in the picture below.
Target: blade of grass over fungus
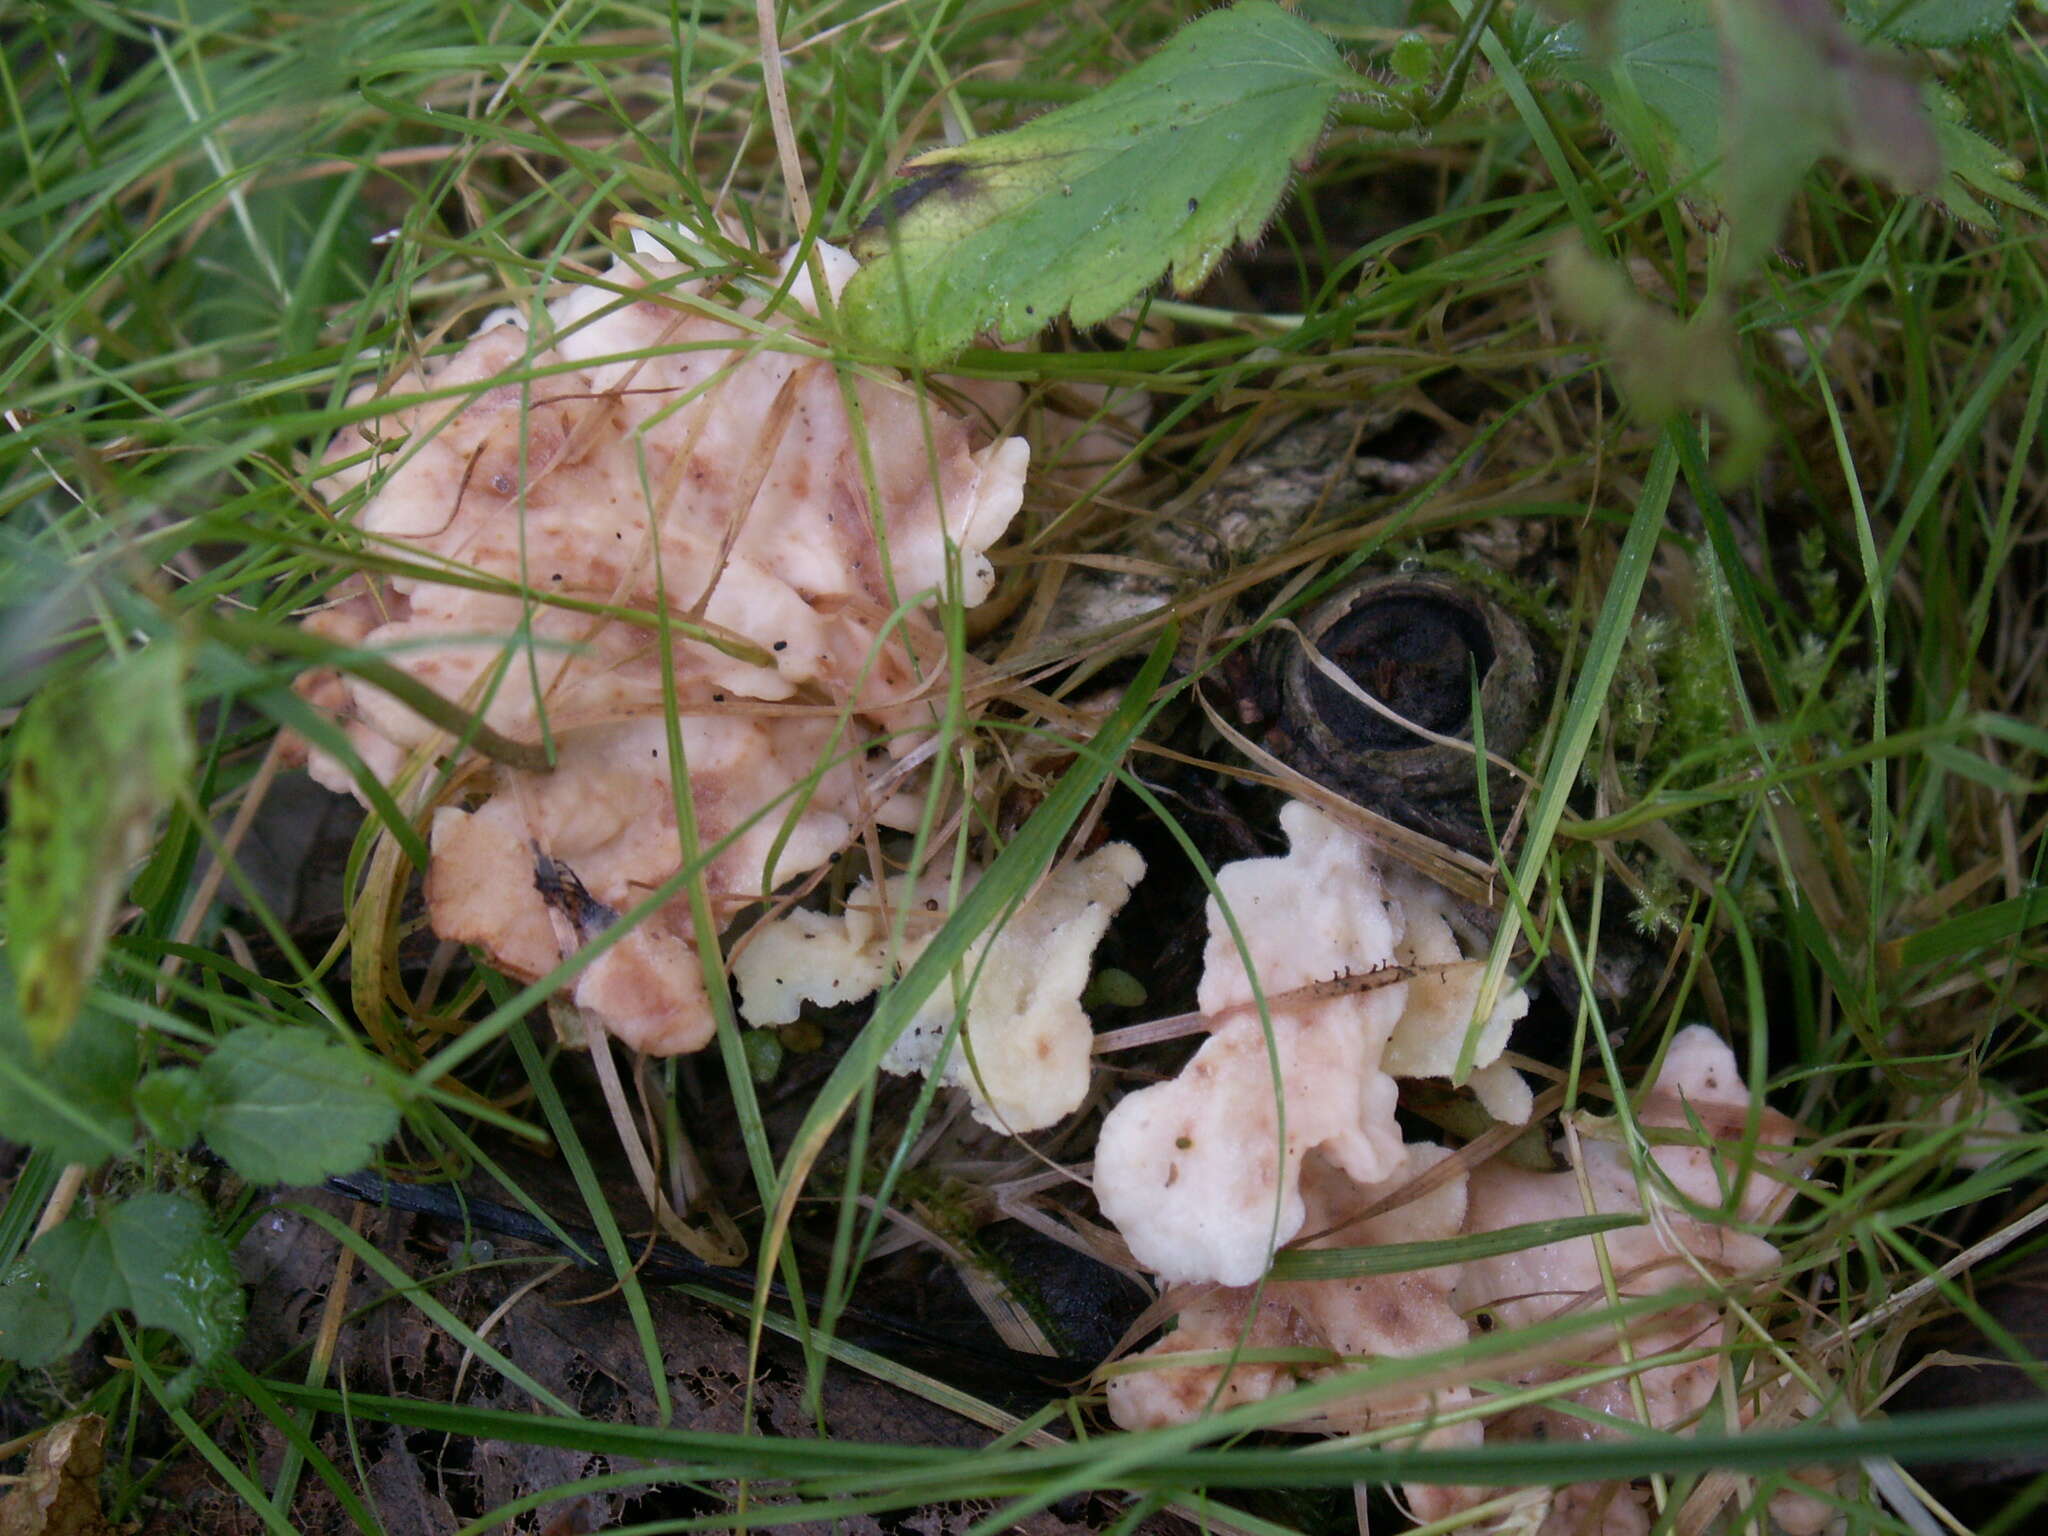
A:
(1401, 1258)
(1130, 1455)
(1589, 699)
(1029, 854)
(953, 753)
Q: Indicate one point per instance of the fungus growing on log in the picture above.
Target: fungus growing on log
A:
(642, 460)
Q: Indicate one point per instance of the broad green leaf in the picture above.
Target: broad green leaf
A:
(76, 1103)
(178, 1272)
(95, 761)
(80, 1259)
(154, 1255)
(1669, 54)
(1080, 210)
(291, 1106)
(1934, 23)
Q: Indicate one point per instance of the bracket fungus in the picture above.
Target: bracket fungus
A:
(648, 489)
(1194, 1172)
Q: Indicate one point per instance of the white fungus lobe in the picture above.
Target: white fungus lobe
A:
(1194, 1172)
(1024, 1054)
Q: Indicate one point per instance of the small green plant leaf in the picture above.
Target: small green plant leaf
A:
(1934, 23)
(764, 1054)
(75, 1105)
(1413, 59)
(179, 1274)
(155, 1255)
(1112, 987)
(1975, 165)
(173, 1104)
(95, 762)
(1079, 210)
(291, 1106)
(1661, 364)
